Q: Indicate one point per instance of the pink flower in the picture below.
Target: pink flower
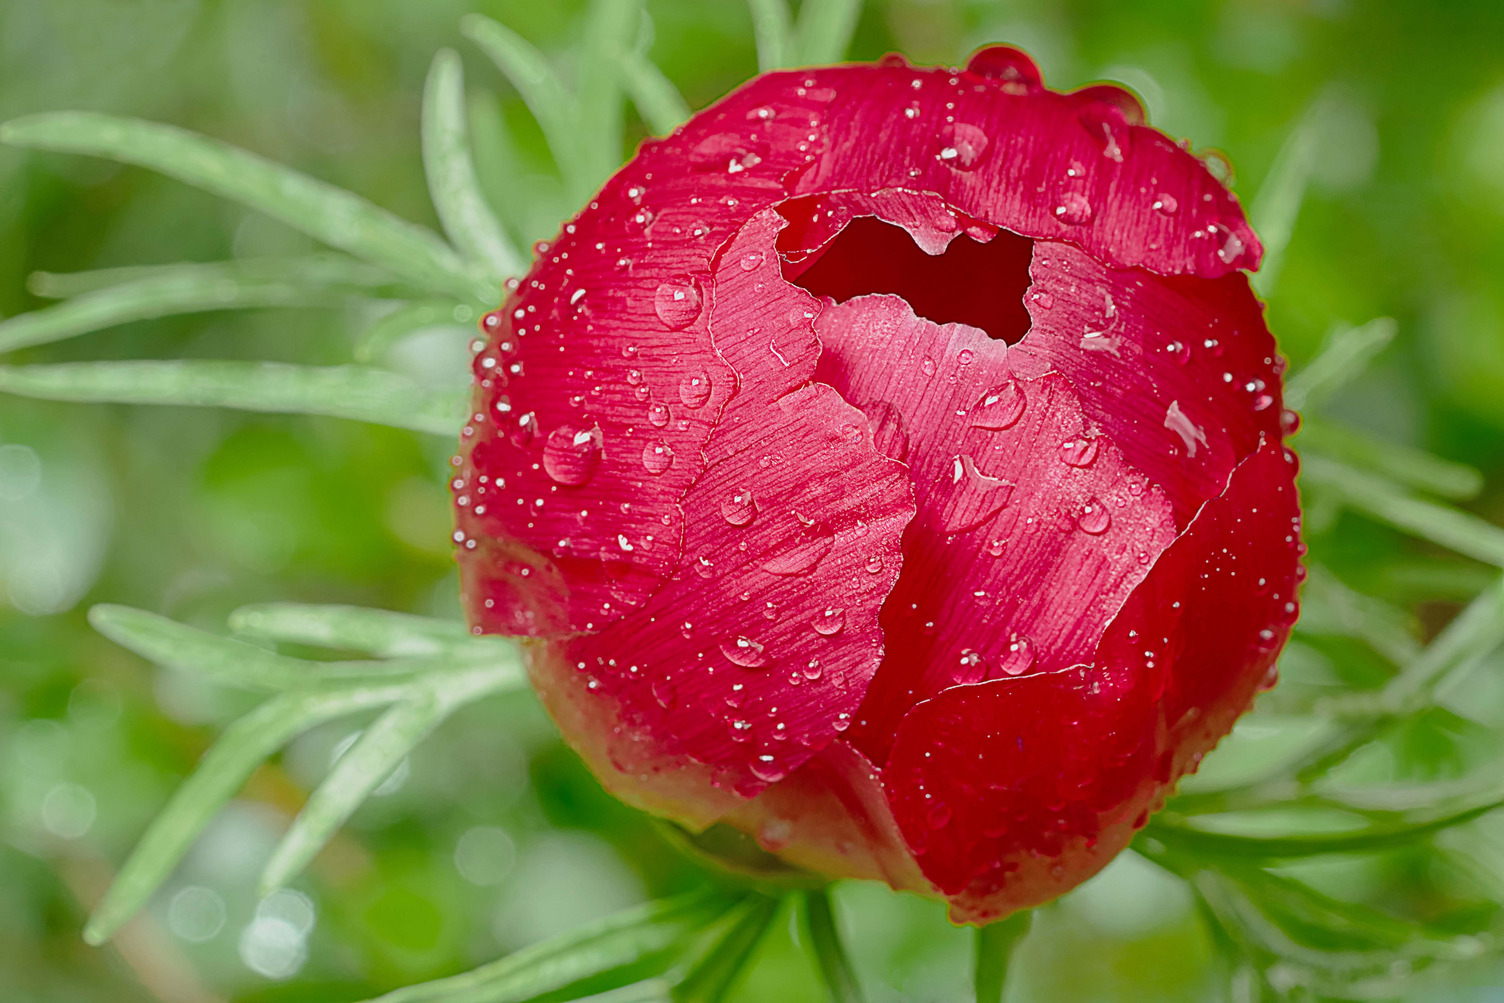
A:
(889, 464)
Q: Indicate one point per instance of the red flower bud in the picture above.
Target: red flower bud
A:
(889, 463)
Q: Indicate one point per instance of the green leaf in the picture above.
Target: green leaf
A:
(452, 182)
(1400, 463)
(353, 777)
(1329, 607)
(177, 289)
(222, 772)
(770, 26)
(1277, 205)
(394, 326)
(610, 32)
(1389, 503)
(830, 954)
(326, 213)
(379, 632)
(619, 942)
(540, 87)
(1348, 352)
(824, 31)
(355, 392)
(711, 979)
(995, 945)
(656, 97)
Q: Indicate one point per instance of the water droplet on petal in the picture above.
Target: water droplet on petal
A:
(739, 509)
(571, 454)
(813, 670)
(751, 260)
(968, 667)
(1018, 658)
(938, 817)
(962, 146)
(745, 652)
(658, 415)
(1289, 421)
(1094, 518)
(766, 767)
(657, 457)
(1074, 209)
(704, 566)
(1004, 63)
(1080, 452)
(829, 622)
(1166, 204)
(677, 302)
(1000, 409)
(694, 390)
(927, 367)
(802, 552)
(664, 693)
(974, 497)
(1179, 351)
(890, 434)
(874, 564)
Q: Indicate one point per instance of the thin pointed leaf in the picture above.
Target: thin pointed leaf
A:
(619, 942)
(231, 662)
(830, 954)
(312, 269)
(1330, 607)
(824, 33)
(355, 392)
(540, 87)
(393, 327)
(1347, 353)
(1387, 502)
(1277, 206)
(774, 34)
(1410, 467)
(329, 214)
(717, 971)
(379, 632)
(223, 771)
(610, 32)
(659, 102)
(179, 289)
(995, 945)
(1472, 636)
(452, 183)
(354, 776)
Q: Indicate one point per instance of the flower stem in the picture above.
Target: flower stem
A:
(830, 954)
(994, 950)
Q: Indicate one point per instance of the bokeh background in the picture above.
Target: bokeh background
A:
(492, 836)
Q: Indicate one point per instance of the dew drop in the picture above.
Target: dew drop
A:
(1042, 298)
(739, 509)
(704, 566)
(745, 652)
(962, 146)
(1165, 204)
(829, 622)
(874, 564)
(658, 415)
(751, 260)
(974, 496)
(802, 552)
(1006, 64)
(890, 434)
(1074, 209)
(694, 390)
(571, 454)
(766, 767)
(968, 667)
(1094, 518)
(1000, 409)
(657, 457)
(938, 817)
(664, 693)
(1018, 658)
(1080, 452)
(927, 367)
(813, 670)
(677, 302)
(1289, 421)
(1179, 351)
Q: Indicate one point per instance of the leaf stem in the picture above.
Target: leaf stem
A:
(830, 952)
(995, 944)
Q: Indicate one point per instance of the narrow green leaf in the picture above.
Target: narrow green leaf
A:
(1410, 467)
(1328, 606)
(611, 28)
(830, 953)
(995, 944)
(393, 327)
(824, 31)
(222, 772)
(712, 978)
(336, 270)
(545, 95)
(656, 97)
(615, 943)
(1277, 206)
(379, 632)
(231, 662)
(1472, 636)
(326, 213)
(452, 182)
(1348, 352)
(771, 28)
(1387, 502)
(353, 777)
(185, 289)
(355, 392)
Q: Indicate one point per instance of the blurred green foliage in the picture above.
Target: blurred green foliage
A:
(492, 836)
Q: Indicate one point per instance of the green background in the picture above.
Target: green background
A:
(493, 836)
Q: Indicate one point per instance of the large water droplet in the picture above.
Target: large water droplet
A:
(745, 652)
(657, 457)
(1000, 409)
(829, 622)
(694, 390)
(890, 434)
(1079, 452)
(677, 302)
(1005, 63)
(974, 497)
(801, 552)
(765, 766)
(571, 454)
(739, 509)
(962, 146)
(968, 667)
(1094, 518)
(658, 415)
(1018, 657)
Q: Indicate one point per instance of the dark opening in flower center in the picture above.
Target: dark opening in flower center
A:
(982, 285)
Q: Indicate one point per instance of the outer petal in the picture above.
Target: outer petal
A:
(1013, 791)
